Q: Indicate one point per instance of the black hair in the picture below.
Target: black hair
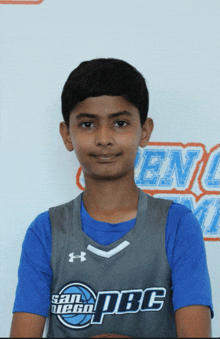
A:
(105, 76)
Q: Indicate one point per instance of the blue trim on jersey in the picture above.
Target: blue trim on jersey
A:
(185, 251)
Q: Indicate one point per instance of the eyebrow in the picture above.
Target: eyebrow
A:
(110, 116)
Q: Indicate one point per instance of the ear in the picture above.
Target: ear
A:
(64, 132)
(147, 129)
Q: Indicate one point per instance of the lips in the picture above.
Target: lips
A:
(106, 155)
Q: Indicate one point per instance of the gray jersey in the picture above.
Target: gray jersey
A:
(122, 288)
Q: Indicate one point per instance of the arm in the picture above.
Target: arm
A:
(27, 325)
(32, 300)
(193, 322)
(192, 300)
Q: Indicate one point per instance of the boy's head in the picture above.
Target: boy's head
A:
(105, 105)
(105, 77)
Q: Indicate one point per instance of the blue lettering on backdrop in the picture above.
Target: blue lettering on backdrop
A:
(182, 171)
(210, 180)
(148, 165)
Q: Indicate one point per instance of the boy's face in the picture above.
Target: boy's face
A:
(103, 134)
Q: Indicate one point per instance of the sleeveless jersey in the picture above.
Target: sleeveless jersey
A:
(122, 288)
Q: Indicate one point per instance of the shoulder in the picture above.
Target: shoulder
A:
(184, 237)
(41, 219)
(181, 218)
(61, 206)
(177, 213)
(41, 224)
(157, 208)
(63, 211)
(181, 221)
(176, 210)
(182, 230)
(38, 234)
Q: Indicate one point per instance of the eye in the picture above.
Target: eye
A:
(89, 122)
(86, 122)
(122, 122)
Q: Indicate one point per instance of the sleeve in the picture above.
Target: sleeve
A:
(34, 272)
(187, 258)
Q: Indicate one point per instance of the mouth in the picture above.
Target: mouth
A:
(106, 157)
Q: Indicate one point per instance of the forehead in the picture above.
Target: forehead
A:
(105, 106)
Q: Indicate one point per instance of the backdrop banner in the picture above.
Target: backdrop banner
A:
(175, 46)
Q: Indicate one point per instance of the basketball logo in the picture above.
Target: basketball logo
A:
(74, 305)
(77, 306)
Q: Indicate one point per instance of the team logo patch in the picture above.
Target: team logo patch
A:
(74, 305)
(77, 306)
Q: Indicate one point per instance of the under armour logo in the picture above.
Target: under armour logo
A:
(72, 257)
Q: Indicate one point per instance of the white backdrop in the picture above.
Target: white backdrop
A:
(174, 44)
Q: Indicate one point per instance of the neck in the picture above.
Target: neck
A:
(111, 197)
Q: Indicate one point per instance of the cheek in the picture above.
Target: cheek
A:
(122, 140)
(81, 141)
(128, 141)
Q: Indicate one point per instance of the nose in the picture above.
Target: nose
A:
(104, 135)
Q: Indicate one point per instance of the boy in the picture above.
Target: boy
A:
(114, 259)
